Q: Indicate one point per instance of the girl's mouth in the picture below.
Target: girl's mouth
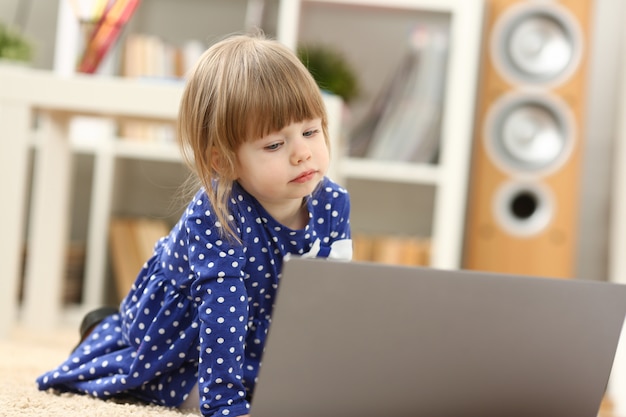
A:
(304, 177)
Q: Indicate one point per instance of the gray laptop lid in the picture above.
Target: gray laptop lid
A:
(360, 339)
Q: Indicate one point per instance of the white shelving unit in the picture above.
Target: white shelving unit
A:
(55, 99)
(449, 176)
(29, 95)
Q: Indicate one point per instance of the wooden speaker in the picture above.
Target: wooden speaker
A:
(524, 186)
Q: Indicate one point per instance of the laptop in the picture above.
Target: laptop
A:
(351, 339)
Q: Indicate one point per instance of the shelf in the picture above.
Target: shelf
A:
(74, 95)
(423, 5)
(356, 168)
(391, 171)
(165, 152)
(289, 12)
(123, 148)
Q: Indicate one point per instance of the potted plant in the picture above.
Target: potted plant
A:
(14, 46)
(330, 69)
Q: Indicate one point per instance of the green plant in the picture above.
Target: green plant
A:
(331, 70)
(13, 45)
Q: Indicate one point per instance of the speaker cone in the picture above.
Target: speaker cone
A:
(529, 133)
(536, 44)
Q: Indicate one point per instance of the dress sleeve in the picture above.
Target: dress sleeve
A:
(331, 208)
(219, 291)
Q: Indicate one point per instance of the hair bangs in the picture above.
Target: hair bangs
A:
(274, 113)
(272, 98)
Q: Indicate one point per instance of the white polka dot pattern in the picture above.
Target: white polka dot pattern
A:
(200, 309)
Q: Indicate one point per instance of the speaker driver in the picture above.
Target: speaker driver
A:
(523, 209)
(529, 133)
(536, 44)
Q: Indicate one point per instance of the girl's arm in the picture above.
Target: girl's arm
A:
(219, 292)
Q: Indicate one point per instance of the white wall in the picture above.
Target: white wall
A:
(604, 70)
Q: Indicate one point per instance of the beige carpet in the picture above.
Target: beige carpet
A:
(26, 354)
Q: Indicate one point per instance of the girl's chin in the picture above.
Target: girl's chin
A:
(308, 187)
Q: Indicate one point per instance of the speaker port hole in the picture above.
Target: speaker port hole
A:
(524, 205)
(523, 208)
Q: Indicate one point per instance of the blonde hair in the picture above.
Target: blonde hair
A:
(242, 88)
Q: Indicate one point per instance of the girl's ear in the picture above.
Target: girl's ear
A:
(216, 161)
(222, 165)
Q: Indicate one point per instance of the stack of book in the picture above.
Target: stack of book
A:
(404, 121)
(152, 59)
(132, 242)
(393, 250)
(150, 56)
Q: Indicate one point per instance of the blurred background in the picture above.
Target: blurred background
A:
(370, 55)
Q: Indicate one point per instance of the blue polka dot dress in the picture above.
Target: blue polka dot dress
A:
(200, 308)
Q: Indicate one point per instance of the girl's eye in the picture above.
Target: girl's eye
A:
(310, 133)
(273, 146)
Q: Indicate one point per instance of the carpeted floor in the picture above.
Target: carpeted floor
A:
(25, 355)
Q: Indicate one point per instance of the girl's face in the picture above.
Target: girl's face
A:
(283, 167)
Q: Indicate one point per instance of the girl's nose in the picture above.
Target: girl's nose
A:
(301, 152)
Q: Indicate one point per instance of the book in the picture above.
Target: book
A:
(125, 257)
(106, 33)
(362, 135)
(391, 249)
(149, 58)
(362, 247)
(132, 242)
(404, 122)
(422, 143)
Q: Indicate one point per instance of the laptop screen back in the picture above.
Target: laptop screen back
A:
(359, 339)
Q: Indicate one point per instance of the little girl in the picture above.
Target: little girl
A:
(253, 128)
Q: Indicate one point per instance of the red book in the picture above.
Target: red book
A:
(105, 34)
